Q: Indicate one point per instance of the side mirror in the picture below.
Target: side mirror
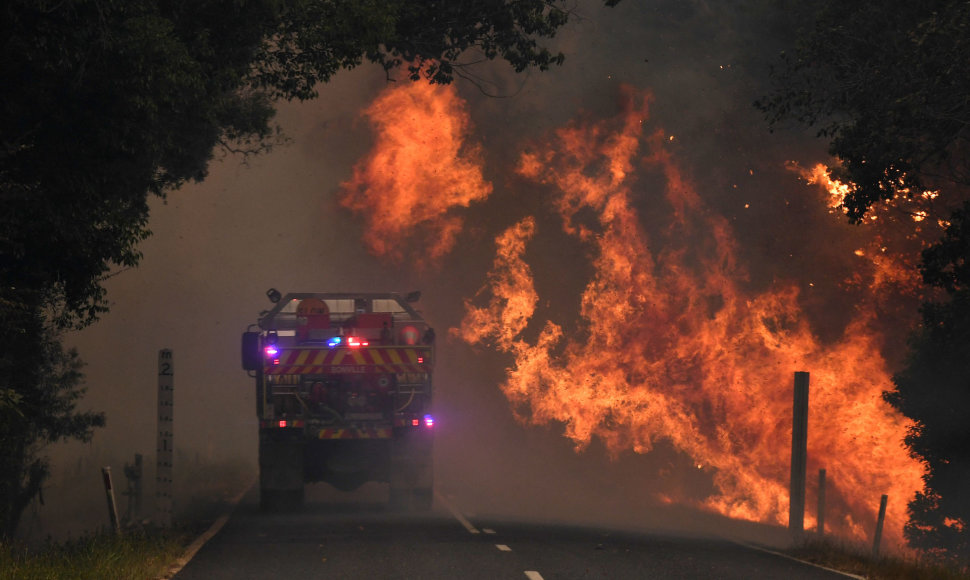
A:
(413, 296)
(251, 361)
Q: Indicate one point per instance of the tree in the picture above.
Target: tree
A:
(45, 386)
(885, 82)
(129, 98)
(435, 40)
(104, 103)
(934, 390)
(945, 264)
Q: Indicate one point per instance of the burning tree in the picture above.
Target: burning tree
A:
(881, 82)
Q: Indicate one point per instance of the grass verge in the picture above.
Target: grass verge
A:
(139, 555)
(858, 561)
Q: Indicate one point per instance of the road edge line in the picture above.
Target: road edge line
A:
(196, 545)
(783, 555)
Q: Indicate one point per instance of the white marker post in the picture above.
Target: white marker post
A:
(799, 454)
(163, 451)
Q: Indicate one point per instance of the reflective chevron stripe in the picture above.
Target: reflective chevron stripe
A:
(356, 433)
(305, 361)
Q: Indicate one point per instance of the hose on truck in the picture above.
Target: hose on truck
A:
(406, 405)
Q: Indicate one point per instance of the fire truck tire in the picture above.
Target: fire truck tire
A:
(398, 499)
(268, 499)
(421, 499)
(280, 499)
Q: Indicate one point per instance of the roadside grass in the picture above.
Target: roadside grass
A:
(141, 552)
(140, 555)
(857, 560)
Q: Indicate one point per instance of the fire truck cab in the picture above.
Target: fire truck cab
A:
(343, 395)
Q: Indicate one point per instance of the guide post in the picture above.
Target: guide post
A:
(163, 461)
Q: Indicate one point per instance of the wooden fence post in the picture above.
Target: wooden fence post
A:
(109, 492)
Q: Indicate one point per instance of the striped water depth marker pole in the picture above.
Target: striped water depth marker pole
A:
(164, 448)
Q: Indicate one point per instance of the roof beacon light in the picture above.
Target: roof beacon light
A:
(428, 421)
(355, 341)
(335, 341)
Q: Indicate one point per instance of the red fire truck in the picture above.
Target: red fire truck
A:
(343, 395)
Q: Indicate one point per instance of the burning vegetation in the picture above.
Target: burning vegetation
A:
(421, 168)
(669, 343)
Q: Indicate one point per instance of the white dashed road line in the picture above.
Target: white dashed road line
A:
(530, 574)
(456, 514)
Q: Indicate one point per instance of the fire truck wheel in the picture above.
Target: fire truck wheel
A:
(268, 499)
(398, 499)
(280, 499)
(422, 498)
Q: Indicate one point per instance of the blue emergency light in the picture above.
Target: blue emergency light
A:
(271, 349)
(351, 341)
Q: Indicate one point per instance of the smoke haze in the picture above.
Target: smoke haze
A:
(277, 220)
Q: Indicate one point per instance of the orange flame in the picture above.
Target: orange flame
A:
(420, 169)
(820, 175)
(916, 206)
(674, 348)
(890, 273)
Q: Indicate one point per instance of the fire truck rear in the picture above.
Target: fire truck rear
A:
(343, 395)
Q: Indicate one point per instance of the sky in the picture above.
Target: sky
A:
(275, 221)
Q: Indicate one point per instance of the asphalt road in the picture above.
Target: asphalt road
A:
(354, 536)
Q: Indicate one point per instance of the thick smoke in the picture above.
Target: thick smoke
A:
(276, 221)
